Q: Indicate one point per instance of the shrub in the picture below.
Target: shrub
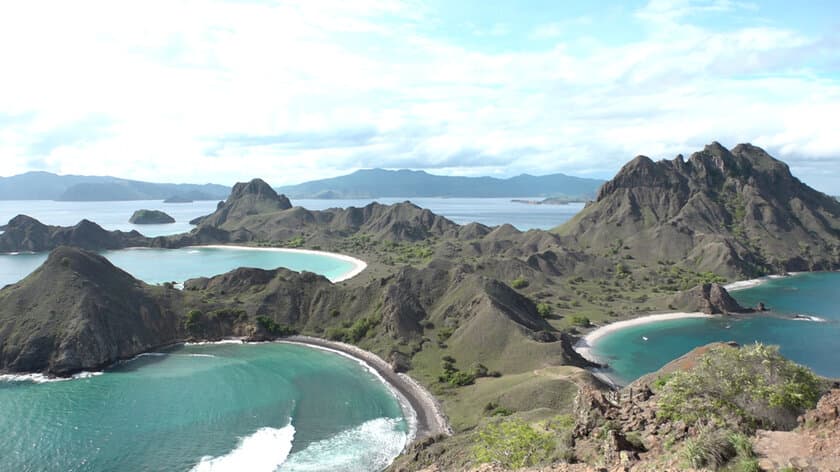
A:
(194, 317)
(445, 333)
(512, 444)
(710, 448)
(518, 283)
(274, 327)
(544, 309)
(335, 313)
(579, 320)
(744, 388)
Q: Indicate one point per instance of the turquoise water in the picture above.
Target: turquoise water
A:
(206, 407)
(168, 265)
(815, 344)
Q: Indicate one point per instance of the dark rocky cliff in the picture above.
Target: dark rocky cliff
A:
(736, 213)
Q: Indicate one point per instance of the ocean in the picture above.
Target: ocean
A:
(115, 215)
(214, 407)
(155, 266)
(815, 342)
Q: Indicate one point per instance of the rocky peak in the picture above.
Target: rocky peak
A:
(261, 189)
(24, 221)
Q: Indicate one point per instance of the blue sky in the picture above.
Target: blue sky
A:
(223, 91)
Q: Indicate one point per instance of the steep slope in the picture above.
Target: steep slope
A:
(374, 183)
(737, 212)
(79, 312)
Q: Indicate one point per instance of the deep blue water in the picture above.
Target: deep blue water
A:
(815, 344)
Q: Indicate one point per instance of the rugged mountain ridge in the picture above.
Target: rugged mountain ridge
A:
(79, 312)
(736, 213)
(24, 233)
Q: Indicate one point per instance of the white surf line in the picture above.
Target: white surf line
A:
(366, 359)
(585, 345)
(358, 264)
(750, 283)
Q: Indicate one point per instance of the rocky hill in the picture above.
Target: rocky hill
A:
(732, 212)
(79, 312)
(24, 233)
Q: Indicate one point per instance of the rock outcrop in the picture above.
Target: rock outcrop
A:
(737, 212)
(711, 299)
(150, 217)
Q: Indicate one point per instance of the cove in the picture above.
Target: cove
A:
(269, 406)
(168, 265)
(637, 350)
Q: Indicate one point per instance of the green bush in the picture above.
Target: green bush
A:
(518, 283)
(544, 309)
(743, 388)
(579, 320)
(194, 317)
(710, 448)
(274, 327)
(512, 444)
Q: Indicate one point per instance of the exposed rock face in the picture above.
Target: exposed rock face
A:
(711, 299)
(247, 199)
(79, 312)
(150, 217)
(24, 233)
(737, 212)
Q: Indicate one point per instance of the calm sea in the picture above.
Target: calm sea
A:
(638, 350)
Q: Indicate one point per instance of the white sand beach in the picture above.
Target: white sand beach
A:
(358, 264)
(585, 344)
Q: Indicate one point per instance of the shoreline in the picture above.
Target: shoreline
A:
(358, 265)
(424, 409)
(586, 344)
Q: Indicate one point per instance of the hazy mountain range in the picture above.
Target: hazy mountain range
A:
(373, 183)
(48, 186)
(368, 183)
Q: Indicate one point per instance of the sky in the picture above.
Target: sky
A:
(224, 91)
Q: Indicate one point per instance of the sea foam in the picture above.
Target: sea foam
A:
(41, 378)
(264, 450)
(369, 446)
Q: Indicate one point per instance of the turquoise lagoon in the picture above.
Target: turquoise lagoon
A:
(637, 350)
(215, 407)
(177, 265)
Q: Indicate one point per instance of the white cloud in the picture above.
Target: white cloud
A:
(218, 91)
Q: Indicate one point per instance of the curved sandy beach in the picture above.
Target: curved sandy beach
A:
(585, 344)
(358, 264)
(419, 406)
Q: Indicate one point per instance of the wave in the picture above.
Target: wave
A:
(816, 319)
(369, 446)
(264, 450)
(224, 341)
(41, 378)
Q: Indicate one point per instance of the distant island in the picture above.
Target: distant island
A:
(150, 217)
(551, 201)
(49, 186)
(376, 183)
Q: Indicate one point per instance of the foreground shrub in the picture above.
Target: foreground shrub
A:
(512, 444)
(747, 388)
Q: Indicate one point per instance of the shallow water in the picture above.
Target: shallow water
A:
(177, 265)
(206, 407)
(815, 344)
